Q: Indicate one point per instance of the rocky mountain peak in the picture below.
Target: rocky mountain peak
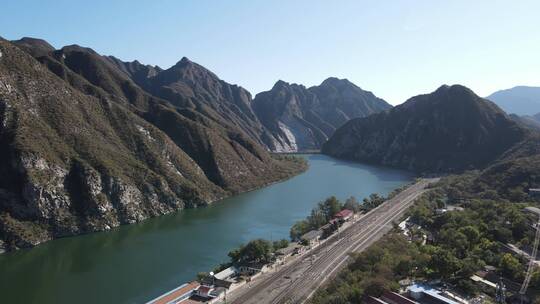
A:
(280, 84)
(35, 42)
(334, 81)
(450, 129)
(36, 47)
(302, 118)
(184, 61)
(78, 48)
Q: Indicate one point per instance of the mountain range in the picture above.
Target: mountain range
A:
(89, 142)
(449, 130)
(301, 118)
(520, 100)
(85, 148)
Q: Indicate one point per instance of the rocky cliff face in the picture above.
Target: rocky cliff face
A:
(192, 87)
(302, 119)
(451, 129)
(84, 148)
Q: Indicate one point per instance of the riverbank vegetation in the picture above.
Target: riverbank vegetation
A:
(257, 251)
(327, 209)
(456, 242)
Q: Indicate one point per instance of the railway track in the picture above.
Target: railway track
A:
(312, 270)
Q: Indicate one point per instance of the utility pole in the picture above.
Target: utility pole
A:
(500, 293)
(532, 260)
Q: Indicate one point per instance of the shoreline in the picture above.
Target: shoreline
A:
(6, 250)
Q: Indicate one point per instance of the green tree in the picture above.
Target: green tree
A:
(535, 279)
(352, 204)
(298, 229)
(510, 266)
(255, 251)
(472, 234)
(455, 240)
(316, 219)
(283, 243)
(202, 275)
(330, 207)
(372, 201)
(444, 263)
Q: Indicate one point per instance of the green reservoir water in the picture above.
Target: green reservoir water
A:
(135, 263)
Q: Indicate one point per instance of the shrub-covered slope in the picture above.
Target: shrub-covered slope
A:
(451, 129)
(83, 148)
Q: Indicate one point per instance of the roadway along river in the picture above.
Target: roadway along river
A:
(135, 263)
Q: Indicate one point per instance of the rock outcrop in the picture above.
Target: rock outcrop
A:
(84, 148)
(301, 119)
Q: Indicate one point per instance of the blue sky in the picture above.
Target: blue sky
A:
(396, 49)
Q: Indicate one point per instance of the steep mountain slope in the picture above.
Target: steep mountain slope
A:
(302, 119)
(521, 100)
(451, 129)
(190, 86)
(216, 144)
(527, 121)
(79, 154)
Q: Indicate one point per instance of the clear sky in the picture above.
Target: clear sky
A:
(396, 49)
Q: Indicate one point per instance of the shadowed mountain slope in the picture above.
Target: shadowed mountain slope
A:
(451, 129)
(84, 148)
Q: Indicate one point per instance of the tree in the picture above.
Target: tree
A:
(283, 243)
(330, 207)
(352, 204)
(316, 219)
(455, 240)
(372, 201)
(510, 266)
(375, 286)
(471, 233)
(444, 263)
(255, 251)
(202, 275)
(535, 279)
(469, 266)
(298, 229)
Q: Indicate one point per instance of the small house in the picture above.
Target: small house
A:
(283, 253)
(312, 237)
(226, 277)
(429, 294)
(250, 269)
(344, 215)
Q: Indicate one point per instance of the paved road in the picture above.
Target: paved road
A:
(296, 282)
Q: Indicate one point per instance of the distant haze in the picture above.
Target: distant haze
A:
(519, 100)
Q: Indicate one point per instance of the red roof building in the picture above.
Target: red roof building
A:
(181, 293)
(344, 214)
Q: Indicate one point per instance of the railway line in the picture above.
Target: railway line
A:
(297, 282)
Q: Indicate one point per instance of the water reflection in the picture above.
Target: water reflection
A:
(134, 263)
